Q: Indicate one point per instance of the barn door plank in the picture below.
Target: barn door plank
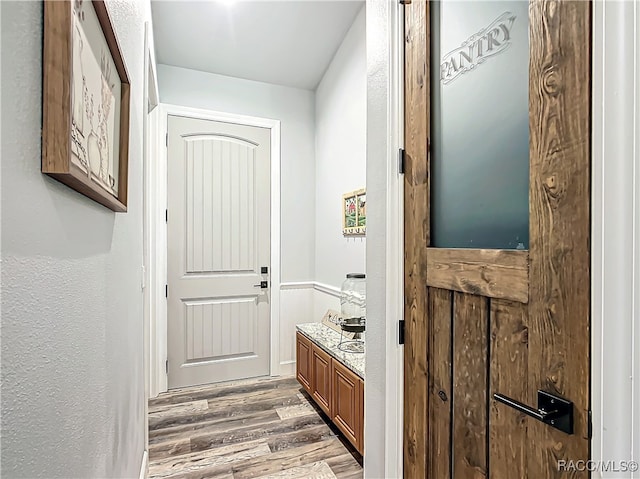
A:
(559, 192)
(440, 384)
(416, 226)
(470, 346)
(508, 369)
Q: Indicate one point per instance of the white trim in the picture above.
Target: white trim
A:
(322, 287)
(327, 289)
(144, 467)
(288, 368)
(150, 100)
(635, 287)
(615, 270)
(297, 285)
(160, 202)
(383, 388)
(394, 402)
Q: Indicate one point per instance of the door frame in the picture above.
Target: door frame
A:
(615, 396)
(150, 103)
(158, 225)
(385, 246)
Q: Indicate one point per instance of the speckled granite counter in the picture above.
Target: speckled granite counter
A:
(328, 339)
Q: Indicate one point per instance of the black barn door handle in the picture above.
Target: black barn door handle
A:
(552, 410)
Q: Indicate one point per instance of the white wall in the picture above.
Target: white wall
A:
(616, 235)
(72, 321)
(341, 145)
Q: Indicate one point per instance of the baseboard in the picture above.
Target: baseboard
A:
(144, 468)
(288, 368)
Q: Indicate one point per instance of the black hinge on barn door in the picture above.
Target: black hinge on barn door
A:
(401, 331)
(166, 290)
(402, 160)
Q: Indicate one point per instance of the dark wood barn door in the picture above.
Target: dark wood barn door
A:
(510, 321)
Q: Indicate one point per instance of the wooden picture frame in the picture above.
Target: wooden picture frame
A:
(85, 120)
(354, 215)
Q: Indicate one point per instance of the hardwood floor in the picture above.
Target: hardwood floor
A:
(265, 428)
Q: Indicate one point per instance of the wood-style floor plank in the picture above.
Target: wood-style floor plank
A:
(317, 470)
(224, 411)
(250, 432)
(170, 466)
(250, 429)
(228, 389)
(218, 424)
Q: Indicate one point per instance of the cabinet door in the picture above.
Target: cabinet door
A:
(346, 398)
(321, 374)
(303, 361)
(360, 430)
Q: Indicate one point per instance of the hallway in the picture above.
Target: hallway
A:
(249, 429)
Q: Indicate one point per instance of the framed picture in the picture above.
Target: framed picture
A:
(354, 213)
(85, 131)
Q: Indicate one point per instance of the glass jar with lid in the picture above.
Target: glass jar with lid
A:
(353, 297)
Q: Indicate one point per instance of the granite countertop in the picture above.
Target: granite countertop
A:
(328, 339)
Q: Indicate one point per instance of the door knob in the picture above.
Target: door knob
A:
(262, 285)
(552, 410)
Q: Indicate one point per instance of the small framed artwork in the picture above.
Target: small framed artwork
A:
(85, 130)
(354, 213)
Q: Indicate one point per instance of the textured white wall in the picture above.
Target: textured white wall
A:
(295, 110)
(72, 337)
(341, 146)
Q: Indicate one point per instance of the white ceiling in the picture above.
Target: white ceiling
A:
(284, 42)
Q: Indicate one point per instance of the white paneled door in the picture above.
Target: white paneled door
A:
(218, 241)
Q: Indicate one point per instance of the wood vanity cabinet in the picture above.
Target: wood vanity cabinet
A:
(337, 390)
(303, 361)
(348, 411)
(321, 378)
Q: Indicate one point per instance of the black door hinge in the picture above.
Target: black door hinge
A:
(166, 290)
(401, 331)
(402, 159)
(590, 427)
(166, 216)
(166, 366)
